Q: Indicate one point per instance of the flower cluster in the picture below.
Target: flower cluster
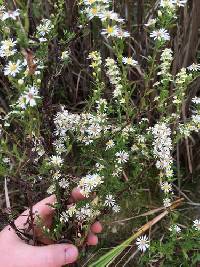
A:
(109, 18)
(173, 3)
(38, 148)
(82, 214)
(44, 29)
(113, 72)
(182, 80)
(7, 48)
(196, 224)
(110, 132)
(90, 182)
(89, 127)
(96, 60)
(162, 146)
(194, 124)
(166, 60)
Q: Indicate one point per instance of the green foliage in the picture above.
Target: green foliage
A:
(116, 139)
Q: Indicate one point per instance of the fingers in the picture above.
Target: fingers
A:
(51, 256)
(76, 195)
(92, 239)
(96, 228)
(45, 211)
(42, 208)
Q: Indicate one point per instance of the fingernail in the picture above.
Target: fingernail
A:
(71, 254)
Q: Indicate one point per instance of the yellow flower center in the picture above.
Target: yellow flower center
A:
(94, 11)
(13, 67)
(110, 29)
(129, 60)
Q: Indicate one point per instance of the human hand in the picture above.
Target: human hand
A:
(15, 253)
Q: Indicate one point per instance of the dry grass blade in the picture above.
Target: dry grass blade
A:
(151, 212)
(8, 206)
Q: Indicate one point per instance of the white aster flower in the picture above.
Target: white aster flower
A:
(194, 67)
(7, 53)
(110, 144)
(10, 15)
(122, 34)
(122, 156)
(196, 118)
(99, 166)
(110, 31)
(31, 95)
(142, 243)
(88, 183)
(63, 183)
(162, 148)
(175, 228)
(51, 189)
(56, 161)
(110, 15)
(161, 35)
(129, 61)
(6, 160)
(56, 175)
(85, 212)
(2, 10)
(116, 208)
(166, 202)
(64, 217)
(151, 22)
(196, 225)
(65, 55)
(43, 39)
(101, 105)
(196, 100)
(117, 171)
(12, 68)
(59, 146)
(45, 27)
(71, 210)
(92, 11)
(7, 48)
(110, 201)
(179, 3)
(166, 4)
(89, 2)
(21, 103)
(166, 187)
(8, 44)
(94, 130)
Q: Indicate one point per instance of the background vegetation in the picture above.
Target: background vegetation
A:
(72, 84)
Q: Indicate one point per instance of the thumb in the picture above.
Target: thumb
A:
(52, 255)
